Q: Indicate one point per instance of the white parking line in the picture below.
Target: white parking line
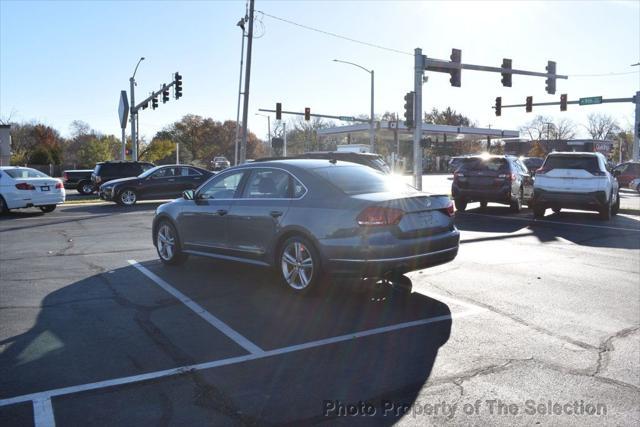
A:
(515, 218)
(208, 317)
(43, 413)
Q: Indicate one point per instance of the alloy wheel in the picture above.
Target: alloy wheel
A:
(166, 242)
(128, 197)
(297, 265)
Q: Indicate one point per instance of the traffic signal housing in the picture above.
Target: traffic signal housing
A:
(154, 103)
(563, 102)
(409, 116)
(165, 94)
(506, 77)
(551, 81)
(456, 58)
(177, 79)
(307, 113)
(529, 104)
(278, 111)
(498, 106)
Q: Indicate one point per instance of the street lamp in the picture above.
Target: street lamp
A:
(372, 131)
(134, 114)
(268, 130)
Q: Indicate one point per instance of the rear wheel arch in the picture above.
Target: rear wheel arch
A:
(165, 218)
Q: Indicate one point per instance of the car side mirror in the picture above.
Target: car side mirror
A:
(188, 194)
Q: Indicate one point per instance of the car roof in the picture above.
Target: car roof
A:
(574, 153)
(300, 163)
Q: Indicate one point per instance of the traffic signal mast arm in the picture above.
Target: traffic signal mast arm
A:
(153, 95)
(326, 116)
(577, 102)
(441, 66)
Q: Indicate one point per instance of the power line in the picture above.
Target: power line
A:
(328, 33)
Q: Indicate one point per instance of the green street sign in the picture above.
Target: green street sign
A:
(347, 118)
(591, 100)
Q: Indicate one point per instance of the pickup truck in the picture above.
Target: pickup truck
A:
(78, 179)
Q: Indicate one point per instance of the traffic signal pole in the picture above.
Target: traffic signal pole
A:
(636, 128)
(417, 111)
(247, 81)
(132, 115)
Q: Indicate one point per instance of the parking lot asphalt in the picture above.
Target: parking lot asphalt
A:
(530, 317)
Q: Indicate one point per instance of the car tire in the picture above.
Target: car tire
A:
(483, 205)
(47, 208)
(605, 212)
(127, 197)
(3, 206)
(299, 265)
(168, 244)
(616, 206)
(516, 204)
(461, 205)
(85, 187)
(538, 212)
(556, 210)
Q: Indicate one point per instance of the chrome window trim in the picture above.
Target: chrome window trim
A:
(306, 190)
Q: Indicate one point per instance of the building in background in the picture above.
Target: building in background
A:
(522, 147)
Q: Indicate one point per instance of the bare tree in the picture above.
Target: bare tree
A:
(543, 127)
(565, 129)
(602, 126)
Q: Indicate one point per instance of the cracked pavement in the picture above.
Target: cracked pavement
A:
(559, 322)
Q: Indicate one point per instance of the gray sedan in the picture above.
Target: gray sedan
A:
(307, 218)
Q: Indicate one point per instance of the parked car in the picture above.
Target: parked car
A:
(496, 179)
(78, 179)
(532, 163)
(308, 217)
(220, 163)
(25, 188)
(635, 185)
(575, 181)
(374, 161)
(108, 171)
(627, 172)
(160, 182)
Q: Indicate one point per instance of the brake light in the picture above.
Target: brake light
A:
(65, 176)
(58, 185)
(25, 186)
(449, 209)
(376, 215)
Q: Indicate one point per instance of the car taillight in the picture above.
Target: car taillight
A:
(65, 176)
(376, 215)
(58, 185)
(25, 186)
(449, 209)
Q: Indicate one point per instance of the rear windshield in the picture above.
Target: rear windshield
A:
(588, 163)
(361, 180)
(479, 164)
(25, 173)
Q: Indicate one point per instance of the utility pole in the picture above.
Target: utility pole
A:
(372, 132)
(132, 116)
(284, 146)
(636, 128)
(247, 80)
(240, 24)
(417, 109)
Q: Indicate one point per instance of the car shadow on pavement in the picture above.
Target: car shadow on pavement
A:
(582, 228)
(118, 323)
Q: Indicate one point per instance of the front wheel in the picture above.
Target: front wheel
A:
(127, 197)
(48, 208)
(168, 245)
(299, 265)
(605, 212)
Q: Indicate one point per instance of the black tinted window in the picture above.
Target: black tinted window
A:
(361, 179)
(479, 164)
(221, 187)
(588, 163)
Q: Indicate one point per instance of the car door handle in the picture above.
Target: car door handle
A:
(275, 214)
(222, 212)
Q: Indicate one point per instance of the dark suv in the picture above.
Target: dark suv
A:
(107, 171)
(496, 179)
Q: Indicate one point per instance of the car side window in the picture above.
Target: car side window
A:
(267, 184)
(163, 173)
(298, 188)
(221, 187)
(184, 171)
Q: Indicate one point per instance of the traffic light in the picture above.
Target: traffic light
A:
(506, 77)
(456, 57)
(563, 102)
(178, 85)
(409, 116)
(154, 103)
(498, 106)
(145, 105)
(307, 113)
(278, 111)
(551, 81)
(529, 106)
(165, 94)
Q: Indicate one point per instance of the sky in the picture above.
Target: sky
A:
(68, 60)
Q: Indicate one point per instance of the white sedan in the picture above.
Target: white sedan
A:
(25, 188)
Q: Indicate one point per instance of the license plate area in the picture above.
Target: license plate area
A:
(45, 188)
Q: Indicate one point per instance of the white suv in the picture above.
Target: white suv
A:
(575, 181)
